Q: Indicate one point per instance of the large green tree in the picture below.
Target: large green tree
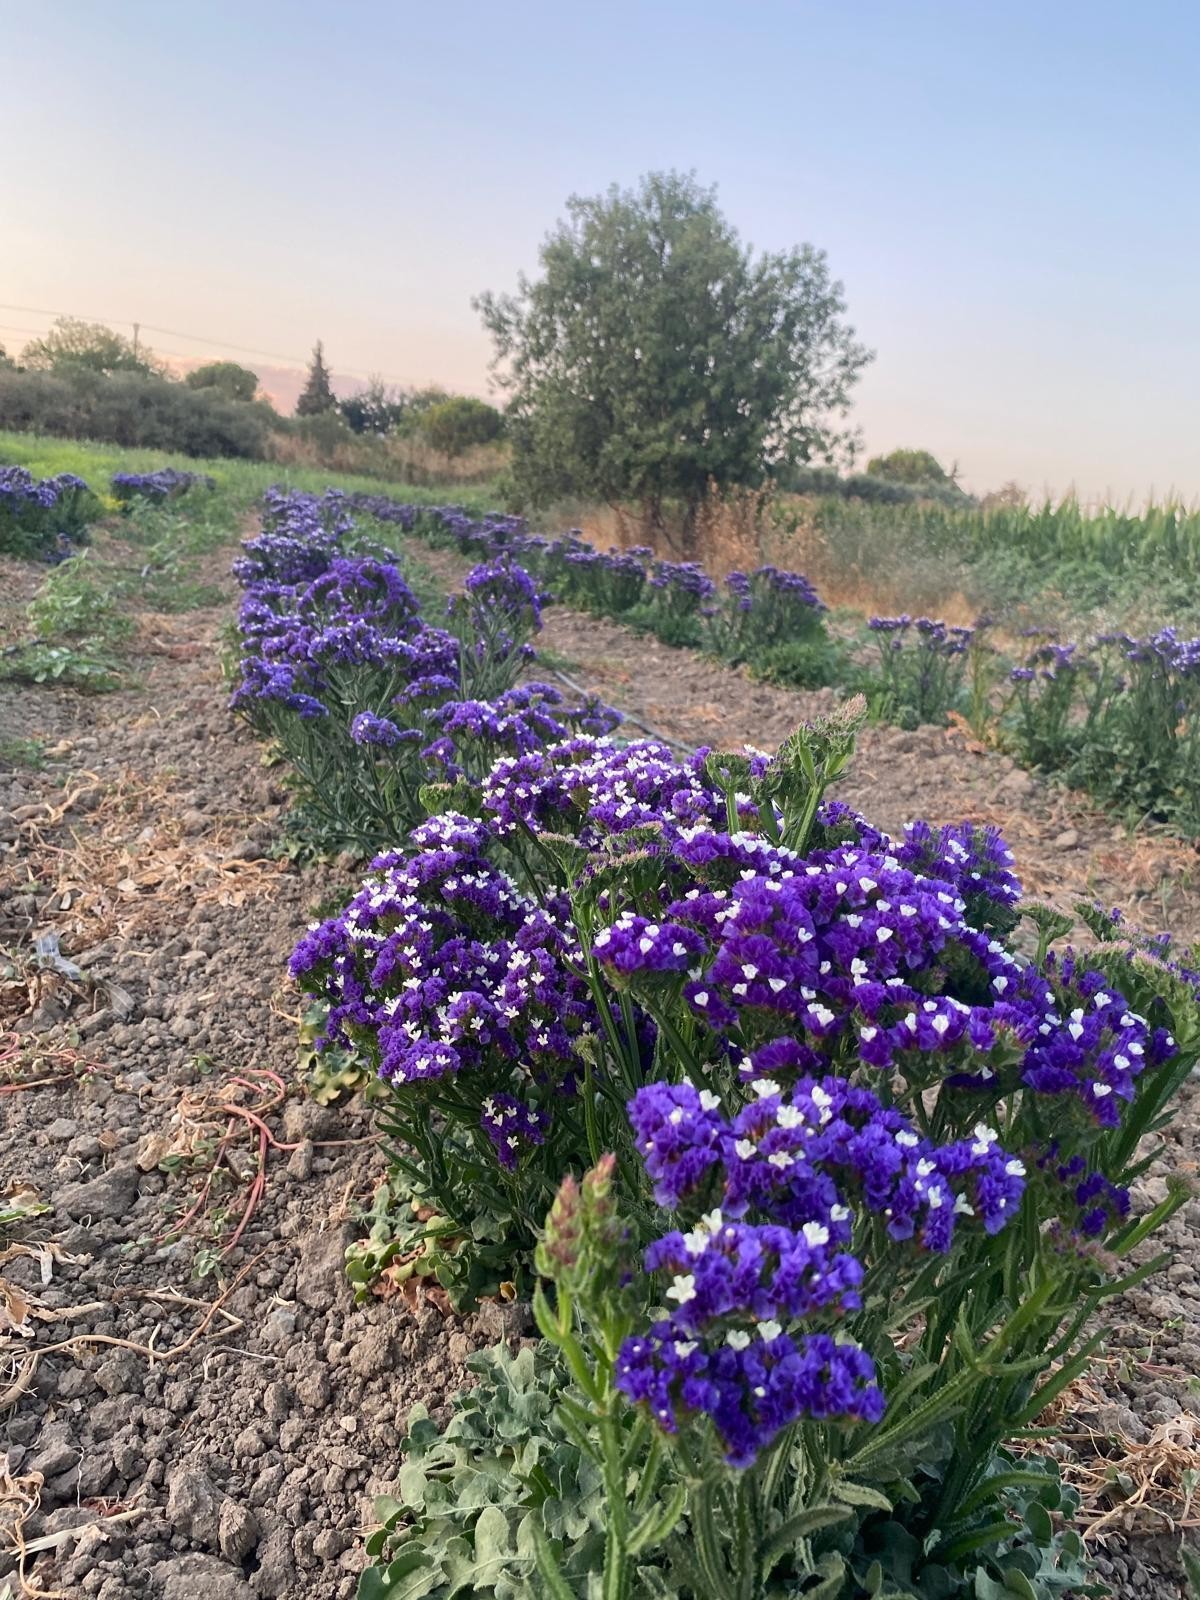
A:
(317, 395)
(88, 345)
(229, 378)
(655, 352)
(910, 466)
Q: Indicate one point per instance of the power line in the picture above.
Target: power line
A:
(196, 338)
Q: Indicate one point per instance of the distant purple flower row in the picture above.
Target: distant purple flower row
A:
(747, 615)
(167, 483)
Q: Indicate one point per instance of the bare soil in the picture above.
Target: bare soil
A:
(194, 1407)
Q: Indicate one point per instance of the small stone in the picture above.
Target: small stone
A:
(110, 1195)
(372, 1353)
(329, 1544)
(193, 1505)
(61, 1130)
(237, 1530)
(277, 1401)
(56, 1452)
(314, 1390)
(1067, 839)
(197, 1577)
(120, 1373)
(348, 1423)
(300, 1162)
(251, 1443)
(279, 1329)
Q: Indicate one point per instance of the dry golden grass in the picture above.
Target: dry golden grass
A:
(401, 460)
(737, 529)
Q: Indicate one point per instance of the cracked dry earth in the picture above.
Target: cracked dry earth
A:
(192, 1419)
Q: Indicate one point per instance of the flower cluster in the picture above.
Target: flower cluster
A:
(339, 666)
(444, 971)
(751, 1386)
(41, 516)
(167, 483)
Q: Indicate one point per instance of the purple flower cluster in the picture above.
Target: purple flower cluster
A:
(975, 859)
(752, 1386)
(819, 1155)
(40, 516)
(519, 721)
(440, 966)
(168, 483)
(339, 666)
(935, 636)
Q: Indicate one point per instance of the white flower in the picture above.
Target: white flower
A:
(683, 1288)
(769, 1330)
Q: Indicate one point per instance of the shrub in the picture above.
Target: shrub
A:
(227, 377)
(1119, 716)
(131, 409)
(457, 423)
(922, 668)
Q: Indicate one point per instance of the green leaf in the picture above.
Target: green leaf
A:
(547, 1564)
(409, 1577)
(800, 1526)
(860, 1494)
(657, 1524)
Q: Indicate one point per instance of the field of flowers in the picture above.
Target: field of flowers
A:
(818, 1184)
(805, 1168)
(1113, 714)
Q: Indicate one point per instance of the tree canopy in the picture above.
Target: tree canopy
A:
(457, 423)
(317, 395)
(72, 342)
(910, 466)
(655, 352)
(376, 409)
(235, 382)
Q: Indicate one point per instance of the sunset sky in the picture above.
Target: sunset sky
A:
(1008, 191)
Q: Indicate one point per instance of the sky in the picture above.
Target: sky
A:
(1007, 190)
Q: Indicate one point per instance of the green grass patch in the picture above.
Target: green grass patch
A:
(18, 752)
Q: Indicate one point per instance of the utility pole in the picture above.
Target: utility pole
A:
(136, 326)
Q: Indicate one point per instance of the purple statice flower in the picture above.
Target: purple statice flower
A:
(751, 1384)
(512, 1125)
(972, 857)
(368, 729)
(635, 944)
(1088, 1203)
(1087, 1040)
(722, 1268)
